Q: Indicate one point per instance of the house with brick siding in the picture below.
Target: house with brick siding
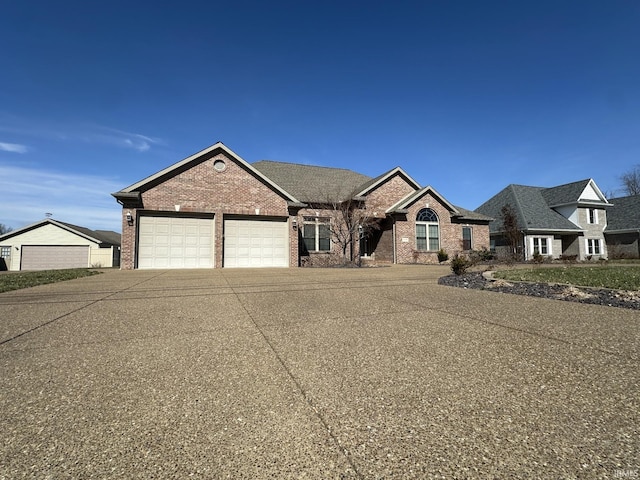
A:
(214, 209)
(567, 220)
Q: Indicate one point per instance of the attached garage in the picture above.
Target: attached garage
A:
(256, 243)
(175, 242)
(52, 257)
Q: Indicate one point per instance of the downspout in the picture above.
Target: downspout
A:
(395, 257)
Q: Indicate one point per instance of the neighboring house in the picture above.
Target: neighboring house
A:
(213, 209)
(564, 221)
(623, 227)
(50, 244)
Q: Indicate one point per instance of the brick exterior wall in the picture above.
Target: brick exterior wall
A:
(198, 189)
(450, 233)
(387, 194)
(201, 189)
(319, 259)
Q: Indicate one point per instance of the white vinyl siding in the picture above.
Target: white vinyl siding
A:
(52, 235)
(175, 242)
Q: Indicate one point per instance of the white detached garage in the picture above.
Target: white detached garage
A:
(51, 245)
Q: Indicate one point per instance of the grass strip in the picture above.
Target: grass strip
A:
(17, 280)
(615, 277)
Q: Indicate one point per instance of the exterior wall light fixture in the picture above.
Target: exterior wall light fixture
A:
(129, 219)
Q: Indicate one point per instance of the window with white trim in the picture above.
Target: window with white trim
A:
(427, 230)
(594, 247)
(466, 238)
(541, 246)
(316, 234)
(592, 215)
(5, 254)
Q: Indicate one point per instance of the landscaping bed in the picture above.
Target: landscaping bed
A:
(597, 296)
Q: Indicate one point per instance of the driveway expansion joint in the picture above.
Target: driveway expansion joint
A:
(60, 317)
(301, 389)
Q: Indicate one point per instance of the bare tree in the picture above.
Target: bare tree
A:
(510, 227)
(4, 229)
(349, 219)
(631, 181)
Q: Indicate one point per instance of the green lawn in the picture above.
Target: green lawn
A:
(18, 280)
(616, 277)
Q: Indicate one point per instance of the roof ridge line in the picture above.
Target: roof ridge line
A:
(309, 165)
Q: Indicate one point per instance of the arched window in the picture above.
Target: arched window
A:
(427, 230)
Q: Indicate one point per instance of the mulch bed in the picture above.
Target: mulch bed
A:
(597, 296)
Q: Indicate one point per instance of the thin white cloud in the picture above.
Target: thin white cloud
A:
(13, 147)
(84, 132)
(118, 138)
(85, 200)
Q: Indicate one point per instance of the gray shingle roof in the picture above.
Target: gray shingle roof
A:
(309, 183)
(471, 215)
(624, 214)
(109, 236)
(106, 236)
(532, 210)
(564, 194)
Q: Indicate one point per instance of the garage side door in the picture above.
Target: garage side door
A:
(54, 257)
(175, 242)
(256, 243)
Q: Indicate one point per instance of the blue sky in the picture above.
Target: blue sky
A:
(465, 96)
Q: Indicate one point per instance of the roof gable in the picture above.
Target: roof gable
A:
(195, 159)
(376, 182)
(583, 191)
(412, 198)
(94, 236)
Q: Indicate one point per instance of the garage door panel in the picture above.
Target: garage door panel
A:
(256, 243)
(175, 242)
(53, 257)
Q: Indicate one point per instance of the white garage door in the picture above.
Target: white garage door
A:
(256, 243)
(53, 257)
(175, 242)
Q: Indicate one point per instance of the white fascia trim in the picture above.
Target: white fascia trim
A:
(396, 206)
(598, 191)
(413, 197)
(33, 226)
(190, 158)
(387, 176)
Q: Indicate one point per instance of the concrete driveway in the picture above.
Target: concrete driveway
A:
(312, 373)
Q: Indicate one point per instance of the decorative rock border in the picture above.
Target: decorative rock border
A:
(596, 296)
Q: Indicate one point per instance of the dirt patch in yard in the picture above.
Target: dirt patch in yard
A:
(597, 296)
